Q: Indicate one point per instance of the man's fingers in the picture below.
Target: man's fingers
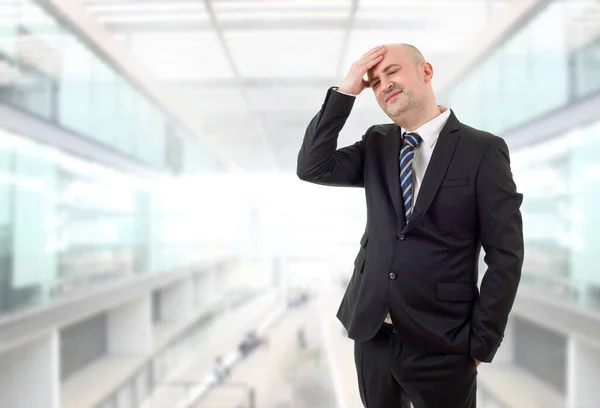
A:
(355, 82)
(375, 49)
(369, 59)
(370, 52)
(370, 64)
(373, 53)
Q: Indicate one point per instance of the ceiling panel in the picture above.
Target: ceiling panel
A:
(153, 11)
(280, 5)
(437, 27)
(100, 7)
(254, 72)
(285, 53)
(181, 56)
(209, 102)
(172, 17)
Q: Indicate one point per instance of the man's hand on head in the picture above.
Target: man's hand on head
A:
(354, 83)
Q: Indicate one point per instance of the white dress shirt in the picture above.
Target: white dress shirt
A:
(429, 132)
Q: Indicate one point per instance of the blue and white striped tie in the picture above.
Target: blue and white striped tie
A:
(410, 140)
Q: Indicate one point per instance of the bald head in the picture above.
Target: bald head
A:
(401, 82)
(408, 50)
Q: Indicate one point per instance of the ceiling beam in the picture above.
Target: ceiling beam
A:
(259, 83)
(119, 9)
(237, 77)
(214, 24)
(346, 40)
(258, 24)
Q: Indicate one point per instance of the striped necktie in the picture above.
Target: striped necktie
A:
(410, 140)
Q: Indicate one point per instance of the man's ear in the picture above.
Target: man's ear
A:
(427, 70)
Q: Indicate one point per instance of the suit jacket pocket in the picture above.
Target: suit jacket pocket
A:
(456, 292)
(363, 241)
(359, 263)
(454, 182)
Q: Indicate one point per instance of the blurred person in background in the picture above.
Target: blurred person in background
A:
(437, 190)
(301, 338)
(219, 370)
(251, 342)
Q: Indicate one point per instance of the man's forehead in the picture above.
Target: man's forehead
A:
(394, 55)
(379, 68)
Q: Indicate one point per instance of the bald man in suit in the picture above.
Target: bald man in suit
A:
(437, 190)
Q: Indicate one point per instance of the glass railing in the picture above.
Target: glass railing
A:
(68, 224)
(582, 294)
(49, 70)
(548, 62)
(560, 181)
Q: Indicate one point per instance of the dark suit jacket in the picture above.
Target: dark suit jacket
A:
(425, 273)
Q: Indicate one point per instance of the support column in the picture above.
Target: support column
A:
(204, 291)
(212, 285)
(29, 374)
(177, 301)
(220, 277)
(130, 328)
(583, 371)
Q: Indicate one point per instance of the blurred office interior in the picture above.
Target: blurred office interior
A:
(157, 248)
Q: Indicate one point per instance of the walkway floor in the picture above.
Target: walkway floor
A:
(219, 338)
(282, 374)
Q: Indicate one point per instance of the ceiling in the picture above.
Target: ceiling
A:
(254, 72)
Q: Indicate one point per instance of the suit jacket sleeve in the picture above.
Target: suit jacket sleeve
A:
(319, 160)
(501, 233)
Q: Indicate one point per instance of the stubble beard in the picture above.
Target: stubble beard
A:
(399, 111)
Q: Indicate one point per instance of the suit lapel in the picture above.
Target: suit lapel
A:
(438, 164)
(392, 169)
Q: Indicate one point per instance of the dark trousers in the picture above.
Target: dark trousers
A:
(392, 375)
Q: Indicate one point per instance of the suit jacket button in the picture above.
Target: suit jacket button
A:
(392, 276)
(401, 237)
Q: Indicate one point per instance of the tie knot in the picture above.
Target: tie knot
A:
(412, 139)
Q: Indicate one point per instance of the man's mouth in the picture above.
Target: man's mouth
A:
(392, 95)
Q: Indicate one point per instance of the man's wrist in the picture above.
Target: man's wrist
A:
(337, 89)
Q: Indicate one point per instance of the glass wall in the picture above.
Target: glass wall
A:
(547, 63)
(560, 179)
(67, 224)
(46, 69)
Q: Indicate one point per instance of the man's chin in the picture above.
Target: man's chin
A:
(395, 113)
(395, 107)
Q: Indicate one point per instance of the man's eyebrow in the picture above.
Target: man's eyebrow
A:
(385, 70)
(390, 67)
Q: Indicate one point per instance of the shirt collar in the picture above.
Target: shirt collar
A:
(430, 131)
